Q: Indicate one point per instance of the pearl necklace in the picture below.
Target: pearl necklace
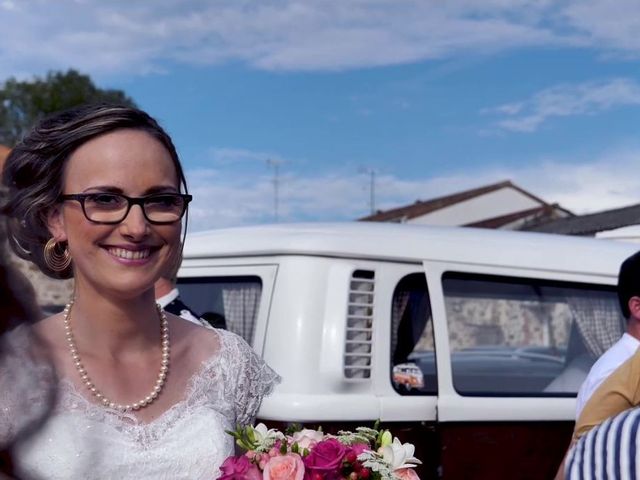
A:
(164, 366)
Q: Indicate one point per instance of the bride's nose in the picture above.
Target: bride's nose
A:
(135, 224)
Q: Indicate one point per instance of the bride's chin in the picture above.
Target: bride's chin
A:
(129, 291)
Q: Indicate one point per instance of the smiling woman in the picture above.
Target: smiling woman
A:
(98, 194)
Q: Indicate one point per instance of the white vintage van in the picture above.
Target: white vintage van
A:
(469, 343)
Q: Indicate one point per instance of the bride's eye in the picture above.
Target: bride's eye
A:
(166, 201)
(105, 200)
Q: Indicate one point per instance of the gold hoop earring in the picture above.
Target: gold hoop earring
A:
(56, 260)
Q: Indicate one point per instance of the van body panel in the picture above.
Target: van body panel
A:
(502, 450)
(395, 242)
(397, 323)
(319, 407)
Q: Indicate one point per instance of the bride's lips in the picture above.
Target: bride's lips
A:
(131, 255)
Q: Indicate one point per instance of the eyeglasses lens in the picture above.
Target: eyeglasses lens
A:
(164, 208)
(113, 208)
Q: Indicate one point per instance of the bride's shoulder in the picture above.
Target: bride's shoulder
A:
(204, 343)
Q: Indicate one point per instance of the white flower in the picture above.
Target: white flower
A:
(265, 438)
(399, 455)
(307, 438)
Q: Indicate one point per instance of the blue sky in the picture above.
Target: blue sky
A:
(433, 96)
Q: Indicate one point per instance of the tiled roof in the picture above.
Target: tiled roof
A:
(532, 215)
(591, 223)
(421, 207)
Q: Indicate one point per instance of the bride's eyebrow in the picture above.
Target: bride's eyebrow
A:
(161, 189)
(118, 190)
(104, 188)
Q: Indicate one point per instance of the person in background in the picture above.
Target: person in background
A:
(168, 297)
(623, 349)
(215, 319)
(607, 389)
(608, 451)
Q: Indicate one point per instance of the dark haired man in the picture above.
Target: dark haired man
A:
(168, 296)
(629, 298)
(613, 380)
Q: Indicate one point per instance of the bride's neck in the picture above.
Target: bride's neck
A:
(113, 326)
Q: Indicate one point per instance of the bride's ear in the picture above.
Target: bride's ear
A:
(55, 223)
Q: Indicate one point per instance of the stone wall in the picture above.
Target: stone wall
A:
(51, 293)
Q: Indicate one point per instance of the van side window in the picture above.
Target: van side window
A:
(526, 337)
(413, 361)
(233, 301)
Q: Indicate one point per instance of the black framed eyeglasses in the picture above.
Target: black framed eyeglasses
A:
(112, 208)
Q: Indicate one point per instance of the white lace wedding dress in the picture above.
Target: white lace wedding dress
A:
(82, 440)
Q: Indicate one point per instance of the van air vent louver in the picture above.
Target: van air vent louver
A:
(358, 338)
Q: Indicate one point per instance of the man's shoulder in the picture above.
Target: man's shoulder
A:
(610, 360)
(618, 353)
(605, 366)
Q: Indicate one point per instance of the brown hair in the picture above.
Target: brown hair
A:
(34, 169)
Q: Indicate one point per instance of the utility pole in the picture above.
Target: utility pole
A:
(372, 191)
(275, 164)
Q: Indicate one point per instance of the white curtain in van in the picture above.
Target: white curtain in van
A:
(241, 308)
(599, 321)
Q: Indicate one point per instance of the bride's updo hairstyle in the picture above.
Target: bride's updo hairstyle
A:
(34, 170)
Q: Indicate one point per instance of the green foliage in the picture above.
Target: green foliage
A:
(23, 103)
(245, 437)
(293, 428)
(361, 435)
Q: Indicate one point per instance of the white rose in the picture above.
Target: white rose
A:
(307, 438)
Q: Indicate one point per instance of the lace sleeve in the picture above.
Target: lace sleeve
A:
(254, 379)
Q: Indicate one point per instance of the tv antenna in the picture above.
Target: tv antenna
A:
(275, 164)
(372, 187)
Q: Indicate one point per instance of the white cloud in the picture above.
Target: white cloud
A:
(225, 156)
(602, 183)
(118, 36)
(224, 199)
(612, 24)
(566, 100)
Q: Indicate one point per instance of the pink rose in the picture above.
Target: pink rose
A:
(284, 467)
(353, 451)
(358, 448)
(325, 457)
(406, 474)
(239, 468)
(274, 452)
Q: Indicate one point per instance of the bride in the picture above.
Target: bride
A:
(98, 194)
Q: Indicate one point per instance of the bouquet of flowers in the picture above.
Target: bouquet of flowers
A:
(303, 454)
